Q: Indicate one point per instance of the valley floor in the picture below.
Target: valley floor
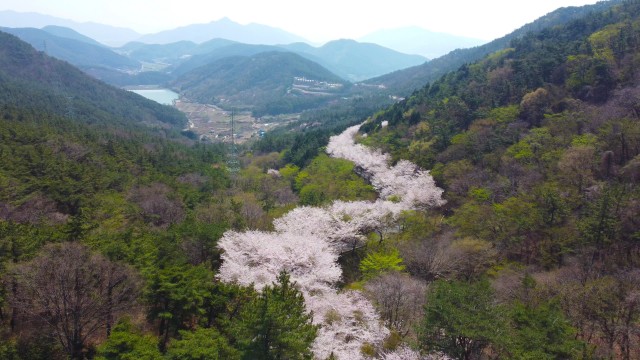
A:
(214, 124)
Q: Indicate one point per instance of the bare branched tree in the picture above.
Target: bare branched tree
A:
(447, 257)
(157, 205)
(400, 300)
(76, 294)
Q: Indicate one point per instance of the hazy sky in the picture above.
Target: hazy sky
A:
(318, 20)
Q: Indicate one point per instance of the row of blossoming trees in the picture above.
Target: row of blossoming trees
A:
(307, 241)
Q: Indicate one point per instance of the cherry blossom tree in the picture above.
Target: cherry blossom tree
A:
(348, 321)
(257, 258)
(342, 224)
(307, 240)
(414, 187)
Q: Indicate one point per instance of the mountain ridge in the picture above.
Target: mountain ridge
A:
(46, 84)
(81, 53)
(346, 57)
(223, 28)
(65, 32)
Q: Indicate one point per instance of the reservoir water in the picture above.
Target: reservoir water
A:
(162, 96)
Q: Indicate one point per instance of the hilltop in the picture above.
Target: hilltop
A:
(266, 82)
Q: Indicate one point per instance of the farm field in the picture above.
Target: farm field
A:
(214, 124)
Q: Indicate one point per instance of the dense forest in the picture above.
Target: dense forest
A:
(122, 237)
(537, 149)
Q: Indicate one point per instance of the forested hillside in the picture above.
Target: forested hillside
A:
(538, 150)
(109, 220)
(407, 80)
(123, 237)
(72, 47)
(34, 81)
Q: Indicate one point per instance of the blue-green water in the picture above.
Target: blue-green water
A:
(162, 96)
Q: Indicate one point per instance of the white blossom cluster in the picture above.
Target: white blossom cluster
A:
(342, 224)
(306, 243)
(257, 257)
(406, 353)
(347, 319)
(414, 187)
(274, 173)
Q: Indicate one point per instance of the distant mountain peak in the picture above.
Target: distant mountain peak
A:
(224, 20)
(105, 34)
(417, 40)
(357, 61)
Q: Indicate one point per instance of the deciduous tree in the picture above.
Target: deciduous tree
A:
(400, 300)
(75, 293)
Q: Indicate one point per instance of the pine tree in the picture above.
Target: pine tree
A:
(276, 325)
(128, 343)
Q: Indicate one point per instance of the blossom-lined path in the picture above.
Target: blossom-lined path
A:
(307, 241)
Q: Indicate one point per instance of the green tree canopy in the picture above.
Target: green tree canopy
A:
(276, 325)
(202, 344)
(461, 319)
(127, 343)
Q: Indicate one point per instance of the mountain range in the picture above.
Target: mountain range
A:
(178, 57)
(427, 43)
(117, 36)
(349, 59)
(185, 48)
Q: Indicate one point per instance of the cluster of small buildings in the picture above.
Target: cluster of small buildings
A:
(315, 83)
